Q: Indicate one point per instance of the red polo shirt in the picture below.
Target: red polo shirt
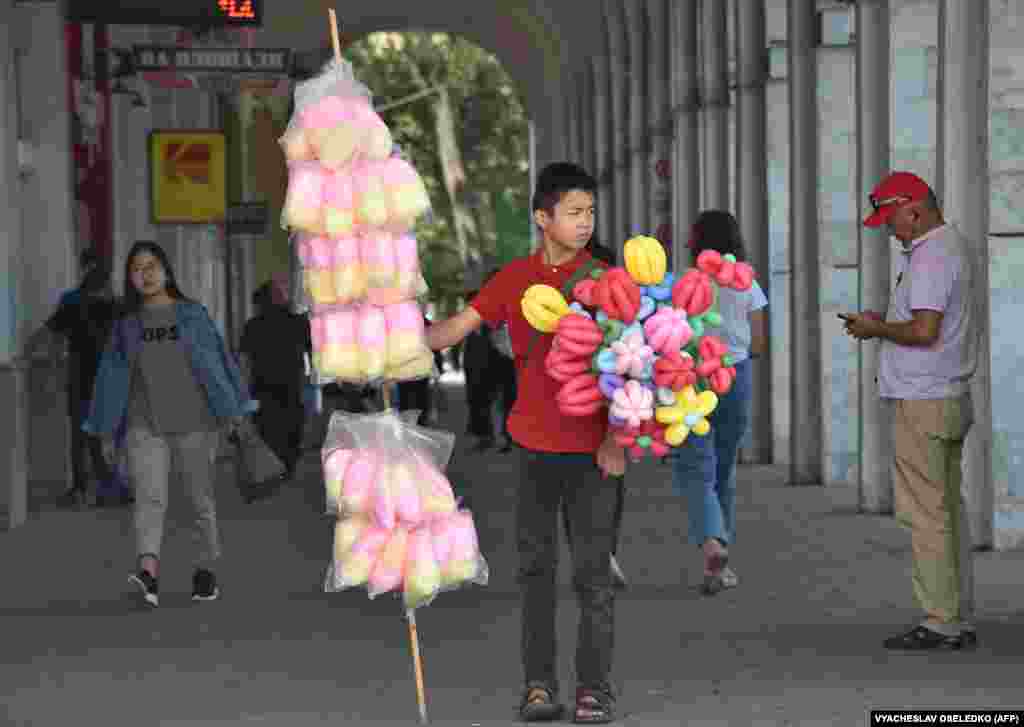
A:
(535, 422)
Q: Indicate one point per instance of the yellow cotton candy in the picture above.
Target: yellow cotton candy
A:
(346, 533)
(304, 217)
(373, 205)
(320, 285)
(371, 364)
(337, 147)
(338, 222)
(342, 362)
(349, 283)
(458, 571)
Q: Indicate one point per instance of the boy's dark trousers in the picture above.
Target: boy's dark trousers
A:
(591, 503)
(280, 421)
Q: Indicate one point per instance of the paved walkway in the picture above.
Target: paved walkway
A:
(799, 643)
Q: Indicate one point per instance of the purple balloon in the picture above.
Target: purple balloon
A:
(609, 383)
(616, 422)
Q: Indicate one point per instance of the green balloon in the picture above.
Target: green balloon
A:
(713, 319)
(698, 327)
(643, 441)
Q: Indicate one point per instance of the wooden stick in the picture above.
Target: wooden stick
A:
(385, 392)
(334, 34)
(414, 640)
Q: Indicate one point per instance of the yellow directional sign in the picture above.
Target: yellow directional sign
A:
(188, 176)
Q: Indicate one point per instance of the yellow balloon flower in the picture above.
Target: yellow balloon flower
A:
(687, 414)
(646, 260)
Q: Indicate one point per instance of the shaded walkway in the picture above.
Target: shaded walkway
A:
(798, 643)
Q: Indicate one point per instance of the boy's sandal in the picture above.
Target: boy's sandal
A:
(593, 706)
(539, 705)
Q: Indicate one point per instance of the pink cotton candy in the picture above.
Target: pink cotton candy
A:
(405, 318)
(377, 251)
(422, 573)
(407, 253)
(354, 569)
(335, 465)
(435, 489)
(384, 500)
(339, 203)
(340, 327)
(360, 479)
(408, 505)
(371, 202)
(388, 571)
(371, 337)
(441, 531)
(324, 113)
(304, 197)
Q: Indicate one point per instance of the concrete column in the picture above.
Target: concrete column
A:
(964, 47)
(808, 423)
(584, 89)
(752, 193)
(618, 68)
(686, 144)
(715, 101)
(873, 117)
(639, 134)
(659, 113)
(13, 398)
(572, 121)
(603, 158)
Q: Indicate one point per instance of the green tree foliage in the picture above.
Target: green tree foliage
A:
(491, 134)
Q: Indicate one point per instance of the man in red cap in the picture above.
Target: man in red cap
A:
(927, 357)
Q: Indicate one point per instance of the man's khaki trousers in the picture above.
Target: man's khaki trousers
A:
(929, 499)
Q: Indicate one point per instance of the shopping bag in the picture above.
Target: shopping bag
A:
(258, 470)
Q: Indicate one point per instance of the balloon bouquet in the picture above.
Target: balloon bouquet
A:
(351, 204)
(635, 340)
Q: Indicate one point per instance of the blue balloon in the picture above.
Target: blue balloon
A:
(691, 420)
(606, 360)
(647, 307)
(602, 317)
(577, 307)
(647, 374)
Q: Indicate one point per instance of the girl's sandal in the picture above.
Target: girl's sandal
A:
(593, 707)
(539, 705)
(713, 582)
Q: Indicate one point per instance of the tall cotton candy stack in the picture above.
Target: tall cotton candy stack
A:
(407, 264)
(303, 204)
(388, 571)
(407, 354)
(349, 274)
(341, 357)
(463, 562)
(436, 496)
(355, 566)
(339, 203)
(335, 465)
(377, 250)
(407, 198)
(371, 335)
(422, 573)
(315, 253)
(371, 200)
(361, 476)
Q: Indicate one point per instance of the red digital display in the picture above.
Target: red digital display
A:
(202, 13)
(238, 9)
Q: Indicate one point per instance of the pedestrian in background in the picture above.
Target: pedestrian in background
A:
(274, 345)
(84, 317)
(704, 468)
(167, 379)
(927, 357)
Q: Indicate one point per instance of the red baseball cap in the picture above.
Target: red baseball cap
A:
(895, 190)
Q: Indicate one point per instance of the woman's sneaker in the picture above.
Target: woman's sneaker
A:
(729, 578)
(204, 586)
(148, 589)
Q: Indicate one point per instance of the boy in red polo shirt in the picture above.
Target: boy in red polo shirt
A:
(568, 462)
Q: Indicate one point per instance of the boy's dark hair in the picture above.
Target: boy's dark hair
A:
(558, 179)
(717, 230)
(132, 300)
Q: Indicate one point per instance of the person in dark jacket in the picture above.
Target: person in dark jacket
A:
(274, 344)
(84, 317)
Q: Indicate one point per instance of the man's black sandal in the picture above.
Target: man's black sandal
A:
(539, 705)
(593, 706)
(921, 638)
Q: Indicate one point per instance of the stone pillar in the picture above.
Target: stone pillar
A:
(13, 399)
(618, 68)
(639, 132)
(659, 113)
(603, 158)
(808, 436)
(686, 145)
(874, 487)
(715, 101)
(752, 194)
(964, 115)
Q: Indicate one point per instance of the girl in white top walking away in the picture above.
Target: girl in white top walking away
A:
(704, 469)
